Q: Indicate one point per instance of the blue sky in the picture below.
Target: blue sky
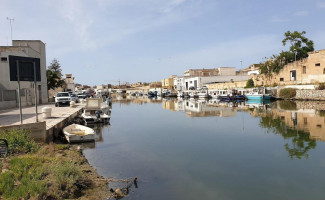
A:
(101, 41)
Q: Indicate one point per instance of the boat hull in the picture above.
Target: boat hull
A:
(254, 97)
(78, 133)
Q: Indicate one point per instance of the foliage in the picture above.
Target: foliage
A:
(287, 93)
(249, 83)
(19, 141)
(55, 67)
(300, 46)
(24, 178)
(54, 75)
(288, 105)
(299, 43)
(321, 86)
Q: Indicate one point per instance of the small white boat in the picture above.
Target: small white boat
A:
(78, 133)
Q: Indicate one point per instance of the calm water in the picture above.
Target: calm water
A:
(204, 150)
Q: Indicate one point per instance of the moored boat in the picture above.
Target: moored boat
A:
(78, 133)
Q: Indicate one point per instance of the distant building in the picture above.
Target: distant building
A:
(226, 71)
(69, 83)
(201, 72)
(168, 83)
(310, 70)
(8, 89)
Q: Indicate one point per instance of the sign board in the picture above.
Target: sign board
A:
(26, 68)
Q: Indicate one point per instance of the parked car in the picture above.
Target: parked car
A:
(81, 96)
(62, 98)
(74, 98)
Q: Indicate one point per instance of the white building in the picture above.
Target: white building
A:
(178, 83)
(8, 89)
(198, 82)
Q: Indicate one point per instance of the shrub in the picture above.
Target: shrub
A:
(249, 83)
(321, 86)
(19, 141)
(287, 93)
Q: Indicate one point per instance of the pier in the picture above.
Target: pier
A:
(45, 129)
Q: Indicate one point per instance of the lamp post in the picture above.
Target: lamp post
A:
(10, 19)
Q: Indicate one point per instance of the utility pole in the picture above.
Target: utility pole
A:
(10, 20)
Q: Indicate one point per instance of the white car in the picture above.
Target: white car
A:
(62, 98)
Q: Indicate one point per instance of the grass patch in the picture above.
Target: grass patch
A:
(62, 146)
(34, 171)
(287, 93)
(24, 178)
(66, 175)
(19, 141)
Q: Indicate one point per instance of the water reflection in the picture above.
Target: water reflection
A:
(198, 149)
(299, 123)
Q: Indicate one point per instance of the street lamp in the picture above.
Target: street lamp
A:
(10, 19)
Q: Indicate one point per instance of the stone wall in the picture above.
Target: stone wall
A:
(311, 94)
(316, 105)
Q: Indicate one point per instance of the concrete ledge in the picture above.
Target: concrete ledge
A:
(38, 130)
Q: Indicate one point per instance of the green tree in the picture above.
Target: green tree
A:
(56, 67)
(299, 43)
(249, 83)
(300, 46)
(54, 75)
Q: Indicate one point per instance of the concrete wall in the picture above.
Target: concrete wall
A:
(38, 130)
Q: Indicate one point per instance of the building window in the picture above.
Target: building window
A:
(324, 71)
(3, 59)
(317, 65)
(304, 69)
(305, 121)
(190, 81)
(281, 79)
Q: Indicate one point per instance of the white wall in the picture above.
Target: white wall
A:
(201, 81)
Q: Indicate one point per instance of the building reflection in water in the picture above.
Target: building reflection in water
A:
(299, 123)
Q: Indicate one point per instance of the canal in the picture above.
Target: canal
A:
(187, 149)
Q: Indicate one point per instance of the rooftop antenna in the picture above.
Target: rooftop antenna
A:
(10, 19)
